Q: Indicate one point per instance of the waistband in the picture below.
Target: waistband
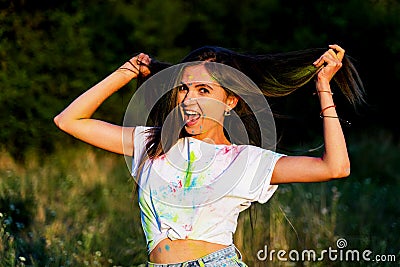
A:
(225, 253)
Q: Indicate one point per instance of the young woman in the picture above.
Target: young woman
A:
(205, 157)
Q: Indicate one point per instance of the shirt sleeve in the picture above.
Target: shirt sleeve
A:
(267, 190)
(264, 162)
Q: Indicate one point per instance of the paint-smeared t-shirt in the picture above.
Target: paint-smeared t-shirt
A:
(197, 189)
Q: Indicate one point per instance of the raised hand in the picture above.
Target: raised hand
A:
(137, 66)
(330, 62)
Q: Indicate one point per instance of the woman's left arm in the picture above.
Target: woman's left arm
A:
(334, 163)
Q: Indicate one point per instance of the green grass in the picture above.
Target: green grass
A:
(76, 207)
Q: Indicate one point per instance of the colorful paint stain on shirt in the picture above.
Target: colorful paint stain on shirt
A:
(189, 172)
(169, 198)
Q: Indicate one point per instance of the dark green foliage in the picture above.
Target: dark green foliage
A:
(51, 51)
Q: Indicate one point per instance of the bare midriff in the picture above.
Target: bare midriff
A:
(174, 251)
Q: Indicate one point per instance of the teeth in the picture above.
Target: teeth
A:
(189, 112)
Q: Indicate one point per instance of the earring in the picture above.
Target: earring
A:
(227, 113)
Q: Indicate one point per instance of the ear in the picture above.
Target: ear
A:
(231, 101)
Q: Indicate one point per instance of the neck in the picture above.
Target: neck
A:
(213, 136)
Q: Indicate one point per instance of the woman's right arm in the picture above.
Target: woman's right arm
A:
(76, 118)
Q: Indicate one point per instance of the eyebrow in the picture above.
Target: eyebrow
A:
(203, 85)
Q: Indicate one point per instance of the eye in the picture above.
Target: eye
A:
(204, 90)
(182, 87)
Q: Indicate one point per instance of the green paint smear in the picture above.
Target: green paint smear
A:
(189, 172)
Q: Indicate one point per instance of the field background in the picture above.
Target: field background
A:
(64, 203)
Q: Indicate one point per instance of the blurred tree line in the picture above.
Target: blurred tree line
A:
(53, 50)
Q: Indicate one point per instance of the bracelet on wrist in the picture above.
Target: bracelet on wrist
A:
(323, 91)
(134, 70)
(346, 122)
(123, 68)
(321, 115)
(328, 107)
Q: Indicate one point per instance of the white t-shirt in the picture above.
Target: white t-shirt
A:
(196, 190)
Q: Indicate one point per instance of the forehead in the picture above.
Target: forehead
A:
(197, 73)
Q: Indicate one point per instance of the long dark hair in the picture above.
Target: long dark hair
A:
(276, 75)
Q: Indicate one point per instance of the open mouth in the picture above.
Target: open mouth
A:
(191, 117)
